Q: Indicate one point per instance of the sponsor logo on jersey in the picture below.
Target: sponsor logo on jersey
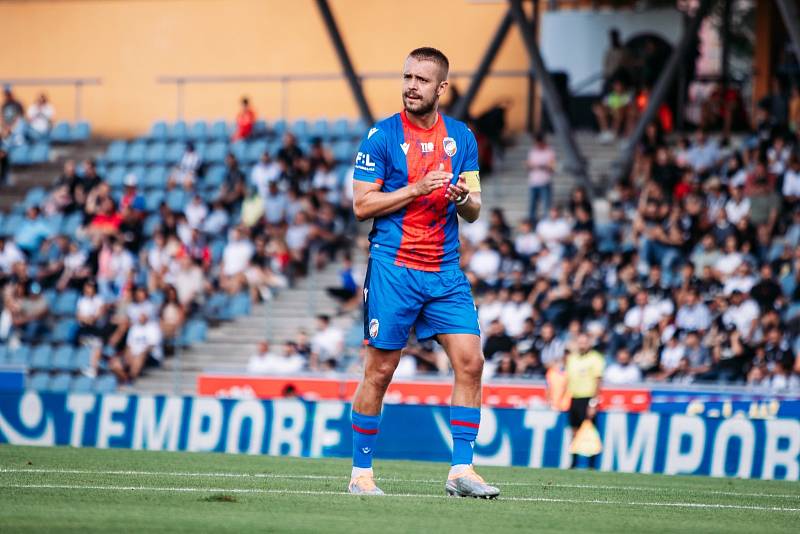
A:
(365, 450)
(372, 131)
(364, 163)
(374, 325)
(449, 145)
(426, 147)
(404, 146)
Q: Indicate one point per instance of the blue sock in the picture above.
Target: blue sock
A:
(464, 424)
(365, 434)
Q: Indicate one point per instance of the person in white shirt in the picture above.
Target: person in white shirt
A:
(515, 312)
(527, 243)
(541, 166)
(235, 259)
(187, 279)
(40, 115)
(672, 352)
(89, 310)
(143, 346)
(644, 315)
(141, 305)
(742, 280)
(485, 263)
(622, 371)
(265, 362)
(186, 170)
(196, 212)
(727, 264)
(9, 254)
(791, 181)
(489, 310)
(554, 229)
(264, 173)
(742, 313)
(327, 344)
(693, 315)
(738, 206)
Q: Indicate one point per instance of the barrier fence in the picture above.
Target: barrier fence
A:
(632, 442)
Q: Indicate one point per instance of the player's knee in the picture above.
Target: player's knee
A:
(472, 368)
(380, 375)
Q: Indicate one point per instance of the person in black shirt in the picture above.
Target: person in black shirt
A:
(497, 340)
(232, 191)
(290, 151)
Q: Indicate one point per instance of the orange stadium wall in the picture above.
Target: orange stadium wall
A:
(129, 43)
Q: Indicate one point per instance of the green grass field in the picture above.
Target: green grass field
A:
(84, 490)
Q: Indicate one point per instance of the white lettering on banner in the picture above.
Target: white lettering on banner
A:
(487, 434)
(642, 448)
(539, 421)
(566, 458)
(31, 414)
(692, 427)
(204, 409)
(154, 433)
(79, 405)
(321, 435)
(788, 430)
(249, 409)
(742, 429)
(288, 421)
(107, 427)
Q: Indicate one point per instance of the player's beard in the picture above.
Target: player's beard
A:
(421, 107)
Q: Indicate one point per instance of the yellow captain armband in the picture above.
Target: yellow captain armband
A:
(473, 179)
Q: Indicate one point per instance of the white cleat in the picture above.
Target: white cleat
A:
(363, 485)
(470, 484)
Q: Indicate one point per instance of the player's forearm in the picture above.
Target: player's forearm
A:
(471, 210)
(377, 203)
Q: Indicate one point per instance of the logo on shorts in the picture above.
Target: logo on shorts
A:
(373, 328)
(449, 145)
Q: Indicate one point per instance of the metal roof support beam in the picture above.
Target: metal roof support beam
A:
(622, 166)
(575, 164)
(791, 18)
(347, 66)
(461, 109)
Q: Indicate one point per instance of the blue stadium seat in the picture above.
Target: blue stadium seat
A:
(65, 331)
(66, 303)
(340, 129)
(320, 128)
(60, 132)
(136, 152)
(216, 152)
(60, 383)
(35, 197)
(153, 221)
(214, 307)
(214, 177)
(115, 153)
(219, 131)
(81, 384)
(175, 152)
(179, 131)
(239, 305)
(42, 357)
(62, 358)
(54, 223)
(140, 171)
(38, 382)
(199, 131)
(341, 151)
(254, 151)
(152, 201)
(158, 132)
(81, 358)
(260, 128)
(72, 222)
(12, 222)
(358, 128)
(217, 247)
(116, 175)
(239, 150)
(80, 132)
(20, 356)
(194, 331)
(280, 127)
(20, 155)
(156, 178)
(39, 153)
(157, 298)
(105, 384)
(176, 200)
(301, 129)
(156, 153)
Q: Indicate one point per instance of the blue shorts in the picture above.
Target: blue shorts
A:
(397, 298)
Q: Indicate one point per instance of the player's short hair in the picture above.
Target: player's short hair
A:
(428, 53)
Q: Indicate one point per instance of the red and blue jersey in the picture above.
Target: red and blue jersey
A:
(395, 153)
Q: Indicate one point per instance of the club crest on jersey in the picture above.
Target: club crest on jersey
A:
(373, 328)
(449, 145)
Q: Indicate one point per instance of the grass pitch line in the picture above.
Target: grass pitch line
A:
(402, 495)
(543, 485)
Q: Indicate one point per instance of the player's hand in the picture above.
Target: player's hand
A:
(456, 192)
(432, 181)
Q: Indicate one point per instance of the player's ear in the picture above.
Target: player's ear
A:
(442, 87)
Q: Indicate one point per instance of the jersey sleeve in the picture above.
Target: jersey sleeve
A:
(372, 158)
(470, 169)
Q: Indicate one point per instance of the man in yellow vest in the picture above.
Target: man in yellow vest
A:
(584, 370)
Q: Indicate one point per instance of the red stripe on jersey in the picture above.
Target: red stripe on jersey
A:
(369, 432)
(456, 422)
(422, 244)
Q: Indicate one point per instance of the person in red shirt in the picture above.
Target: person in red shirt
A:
(244, 121)
(108, 220)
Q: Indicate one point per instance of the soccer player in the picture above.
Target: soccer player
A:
(414, 172)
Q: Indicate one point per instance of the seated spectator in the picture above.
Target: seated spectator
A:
(554, 229)
(289, 153)
(622, 371)
(275, 205)
(9, 255)
(515, 312)
(131, 198)
(185, 173)
(245, 120)
(235, 259)
(106, 221)
(704, 154)
(30, 318)
(265, 173)
(693, 315)
(232, 191)
(484, 264)
(172, 316)
(347, 294)
(252, 208)
(614, 112)
(196, 212)
(12, 108)
(90, 312)
(143, 348)
(265, 362)
(327, 344)
(741, 313)
(5, 148)
(497, 341)
(40, 116)
(188, 280)
(791, 183)
(30, 235)
(216, 222)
